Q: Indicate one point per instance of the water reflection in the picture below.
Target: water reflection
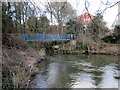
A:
(108, 79)
(77, 71)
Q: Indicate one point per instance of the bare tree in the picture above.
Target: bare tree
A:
(61, 11)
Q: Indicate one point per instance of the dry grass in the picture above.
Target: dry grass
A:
(20, 61)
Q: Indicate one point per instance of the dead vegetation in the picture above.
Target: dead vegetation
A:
(19, 62)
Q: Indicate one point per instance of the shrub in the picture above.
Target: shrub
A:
(111, 39)
(82, 47)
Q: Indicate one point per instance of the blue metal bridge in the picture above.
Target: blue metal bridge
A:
(47, 37)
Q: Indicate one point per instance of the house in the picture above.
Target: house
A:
(110, 32)
(85, 18)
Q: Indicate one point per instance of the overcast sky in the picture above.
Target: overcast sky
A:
(79, 5)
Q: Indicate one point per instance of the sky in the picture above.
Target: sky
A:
(109, 15)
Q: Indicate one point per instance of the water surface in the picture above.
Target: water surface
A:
(78, 71)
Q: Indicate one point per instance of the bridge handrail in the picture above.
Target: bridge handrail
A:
(46, 37)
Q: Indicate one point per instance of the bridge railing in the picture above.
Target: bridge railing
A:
(47, 37)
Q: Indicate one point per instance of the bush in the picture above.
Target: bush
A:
(11, 41)
(82, 47)
(111, 39)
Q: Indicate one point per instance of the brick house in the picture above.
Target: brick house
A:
(85, 18)
(110, 32)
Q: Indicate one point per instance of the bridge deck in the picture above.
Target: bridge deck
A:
(47, 37)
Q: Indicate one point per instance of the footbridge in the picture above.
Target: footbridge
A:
(47, 37)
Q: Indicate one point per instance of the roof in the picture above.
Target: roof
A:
(86, 18)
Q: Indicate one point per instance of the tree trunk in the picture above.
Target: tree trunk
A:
(60, 27)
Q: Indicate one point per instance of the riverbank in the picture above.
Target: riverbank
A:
(106, 49)
(19, 62)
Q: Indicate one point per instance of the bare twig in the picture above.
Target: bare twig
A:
(110, 7)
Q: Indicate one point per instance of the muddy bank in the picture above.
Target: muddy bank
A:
(19, 63)
(107, 49)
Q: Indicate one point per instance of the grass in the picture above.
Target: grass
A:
(16, 71)
(15, 63)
